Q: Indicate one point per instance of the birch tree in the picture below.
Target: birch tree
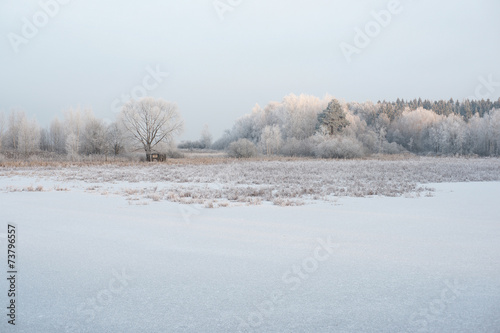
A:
(271, 139)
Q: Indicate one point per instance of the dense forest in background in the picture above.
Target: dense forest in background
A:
(294, 127)
(297, 126)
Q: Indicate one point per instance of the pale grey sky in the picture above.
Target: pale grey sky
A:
(90, 53)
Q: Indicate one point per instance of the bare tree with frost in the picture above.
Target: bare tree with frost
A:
(150, 122)
(115, 140)
(57, 136)
(271, 139)
(74, 123)
(72, 146)
(28, 136)
(94, 137)
(14, 123)
(206, 137)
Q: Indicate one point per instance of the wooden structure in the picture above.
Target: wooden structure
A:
(156, 157)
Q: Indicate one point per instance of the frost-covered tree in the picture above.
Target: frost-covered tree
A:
(485, 133)
(28, 136)
(115, 139)
(301, 115)
(150, 122)
(14, 124)
(411, 129)
(249, 127)
(274, 113)
(57, 135)
(72, 146)
(381, 126)
(367, 111)
(224, 141)
(242, 148)
(451, 134)
(333, 118)
(494, 129)
(45, 143)
(206, 137)
(74, 124)
(435, 139)
(271, 139)
(94, 140)
(477, 135)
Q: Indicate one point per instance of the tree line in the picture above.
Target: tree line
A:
(466, 109)
(310, 126)
(148, 125)
(297, 126)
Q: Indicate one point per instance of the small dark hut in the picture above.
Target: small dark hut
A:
(156, 157)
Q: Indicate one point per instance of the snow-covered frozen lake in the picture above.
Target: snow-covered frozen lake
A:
(90, 262)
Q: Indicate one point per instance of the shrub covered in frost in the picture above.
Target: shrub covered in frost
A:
(392, 148)
(296, 147)
(339, 147)
(242, 148)
(174, 153)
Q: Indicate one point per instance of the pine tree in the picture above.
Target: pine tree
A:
(466, 110)
(333, 118)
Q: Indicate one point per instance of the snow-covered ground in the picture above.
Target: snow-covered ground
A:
(94, 260)
(236, 182)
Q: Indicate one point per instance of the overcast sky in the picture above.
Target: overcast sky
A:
(221, 62)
